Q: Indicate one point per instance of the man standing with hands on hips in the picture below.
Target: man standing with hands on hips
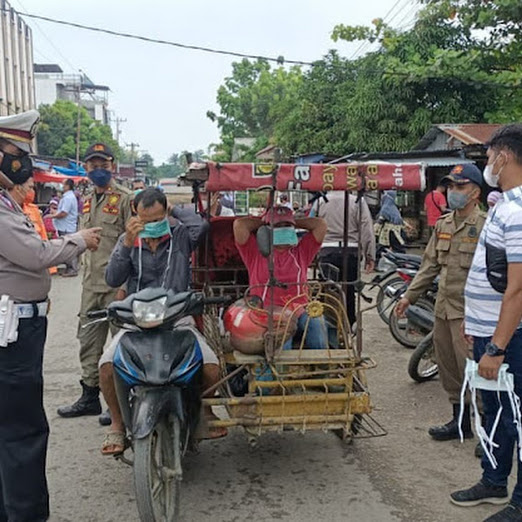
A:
(24, 285)
(493, 297)
(109, 208)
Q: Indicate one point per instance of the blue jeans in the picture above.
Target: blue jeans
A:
(506, 435)
(316, 335)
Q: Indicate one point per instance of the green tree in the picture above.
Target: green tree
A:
(58, 127)
(252, 100)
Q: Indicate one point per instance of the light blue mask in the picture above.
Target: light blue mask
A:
(156, 229)
(285, 236)
(457, 200)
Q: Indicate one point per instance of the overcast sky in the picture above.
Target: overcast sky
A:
(165, 92)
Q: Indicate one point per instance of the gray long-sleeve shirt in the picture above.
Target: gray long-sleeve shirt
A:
(333, 213)
(25, 257)
(124, 264)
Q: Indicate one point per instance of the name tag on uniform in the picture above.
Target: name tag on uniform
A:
(443, 235)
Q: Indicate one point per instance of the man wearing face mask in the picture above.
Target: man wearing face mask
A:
(448, 255)
(154, 252)
(493, 321)
(291, 261)
(109, 208)
(24, 285)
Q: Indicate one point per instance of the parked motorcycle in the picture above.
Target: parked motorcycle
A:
(404, 331)
(422, 365)
(390, 284)
(157, 367)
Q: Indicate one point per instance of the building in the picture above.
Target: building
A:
(17, 92)
(52, 85)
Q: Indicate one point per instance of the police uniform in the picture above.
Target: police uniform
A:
(109, 210)
(449, 255)
(25, 279)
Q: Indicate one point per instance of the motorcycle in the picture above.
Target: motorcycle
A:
(157, 372)
(391, 286)
(404, 331)
(422, 365)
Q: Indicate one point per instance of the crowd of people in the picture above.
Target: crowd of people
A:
(134, 240)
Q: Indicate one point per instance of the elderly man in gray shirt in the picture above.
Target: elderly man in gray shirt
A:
(332, 252)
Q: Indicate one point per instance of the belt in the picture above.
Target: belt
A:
(30, 310)
(339, 244)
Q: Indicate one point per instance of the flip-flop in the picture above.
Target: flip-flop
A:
(215, 433)
(113, 443)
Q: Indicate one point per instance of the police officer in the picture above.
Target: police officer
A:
(109, 207)
(24, 285)
(449, 254)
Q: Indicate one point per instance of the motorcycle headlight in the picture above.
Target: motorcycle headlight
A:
(149, 314)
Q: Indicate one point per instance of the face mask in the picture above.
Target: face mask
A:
(137, 191)
(490, 178)
(503, 384)
(17, 168)
(457, 200)
(29, 197)
(100, 177)
(285, 236)
(156, 229)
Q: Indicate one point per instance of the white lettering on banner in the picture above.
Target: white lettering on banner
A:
(302, 173)
(398, 176)
(292, 185)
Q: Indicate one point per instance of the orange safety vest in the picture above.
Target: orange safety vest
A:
(33, 213)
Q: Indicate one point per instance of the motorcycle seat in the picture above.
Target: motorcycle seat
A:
(407, 258)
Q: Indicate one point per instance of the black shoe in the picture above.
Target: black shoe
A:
(480, 494)
(450, 431)
(105, 418)
(87, 404)
(479, 451)
(510, 513)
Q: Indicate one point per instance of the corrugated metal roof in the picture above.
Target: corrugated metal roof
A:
(470, 133)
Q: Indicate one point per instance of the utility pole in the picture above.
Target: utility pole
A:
(78, 123)
(133, 148)
(117, 121)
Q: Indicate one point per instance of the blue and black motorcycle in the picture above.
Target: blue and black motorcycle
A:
(158, 381)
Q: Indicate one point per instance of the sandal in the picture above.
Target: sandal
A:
(212, 433)
(113, 443)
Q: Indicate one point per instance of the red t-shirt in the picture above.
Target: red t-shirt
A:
(434, 203)
(290, 266)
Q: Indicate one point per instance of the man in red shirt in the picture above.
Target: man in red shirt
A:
(435, 205)
(291, 261)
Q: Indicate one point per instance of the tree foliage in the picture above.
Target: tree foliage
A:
(459, 63)
(58, 128)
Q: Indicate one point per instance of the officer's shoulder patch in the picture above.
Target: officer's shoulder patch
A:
(87, 205)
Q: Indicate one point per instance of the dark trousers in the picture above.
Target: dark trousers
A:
(23, 426)
(506, 435)
(335, 257)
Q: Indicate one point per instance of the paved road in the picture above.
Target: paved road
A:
(290, 477)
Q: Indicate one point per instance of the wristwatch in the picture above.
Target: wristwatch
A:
(493, 350)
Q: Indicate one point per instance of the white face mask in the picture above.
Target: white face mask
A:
(490, 178)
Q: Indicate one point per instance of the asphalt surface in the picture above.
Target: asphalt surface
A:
(403, 476)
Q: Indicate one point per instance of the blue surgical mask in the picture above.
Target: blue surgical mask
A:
(100, 177)
(457, 200)
(156, 229)
(285, 236)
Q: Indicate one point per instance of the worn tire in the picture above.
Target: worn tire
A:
(165, 440)
(400, 332)
(384, 307)
(422, 353)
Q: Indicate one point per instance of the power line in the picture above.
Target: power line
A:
(281, 60)
(46, 37)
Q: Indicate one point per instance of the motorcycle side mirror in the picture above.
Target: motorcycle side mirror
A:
(263, 240)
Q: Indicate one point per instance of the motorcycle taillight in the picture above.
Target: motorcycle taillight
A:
(404, 276)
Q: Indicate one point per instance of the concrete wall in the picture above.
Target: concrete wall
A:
(17, 92)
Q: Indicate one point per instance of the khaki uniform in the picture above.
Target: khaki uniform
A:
(449, 254)
(110, 212)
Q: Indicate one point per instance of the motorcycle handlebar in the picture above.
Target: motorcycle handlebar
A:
(97, 314)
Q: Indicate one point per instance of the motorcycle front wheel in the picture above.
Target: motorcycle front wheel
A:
(404, 332)
(157, 472)
(423, 366)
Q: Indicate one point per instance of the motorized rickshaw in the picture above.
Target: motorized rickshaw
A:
(302, 388)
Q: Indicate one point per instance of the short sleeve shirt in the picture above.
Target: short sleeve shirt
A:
(290, 268)
(69, 205)
(434, 203)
